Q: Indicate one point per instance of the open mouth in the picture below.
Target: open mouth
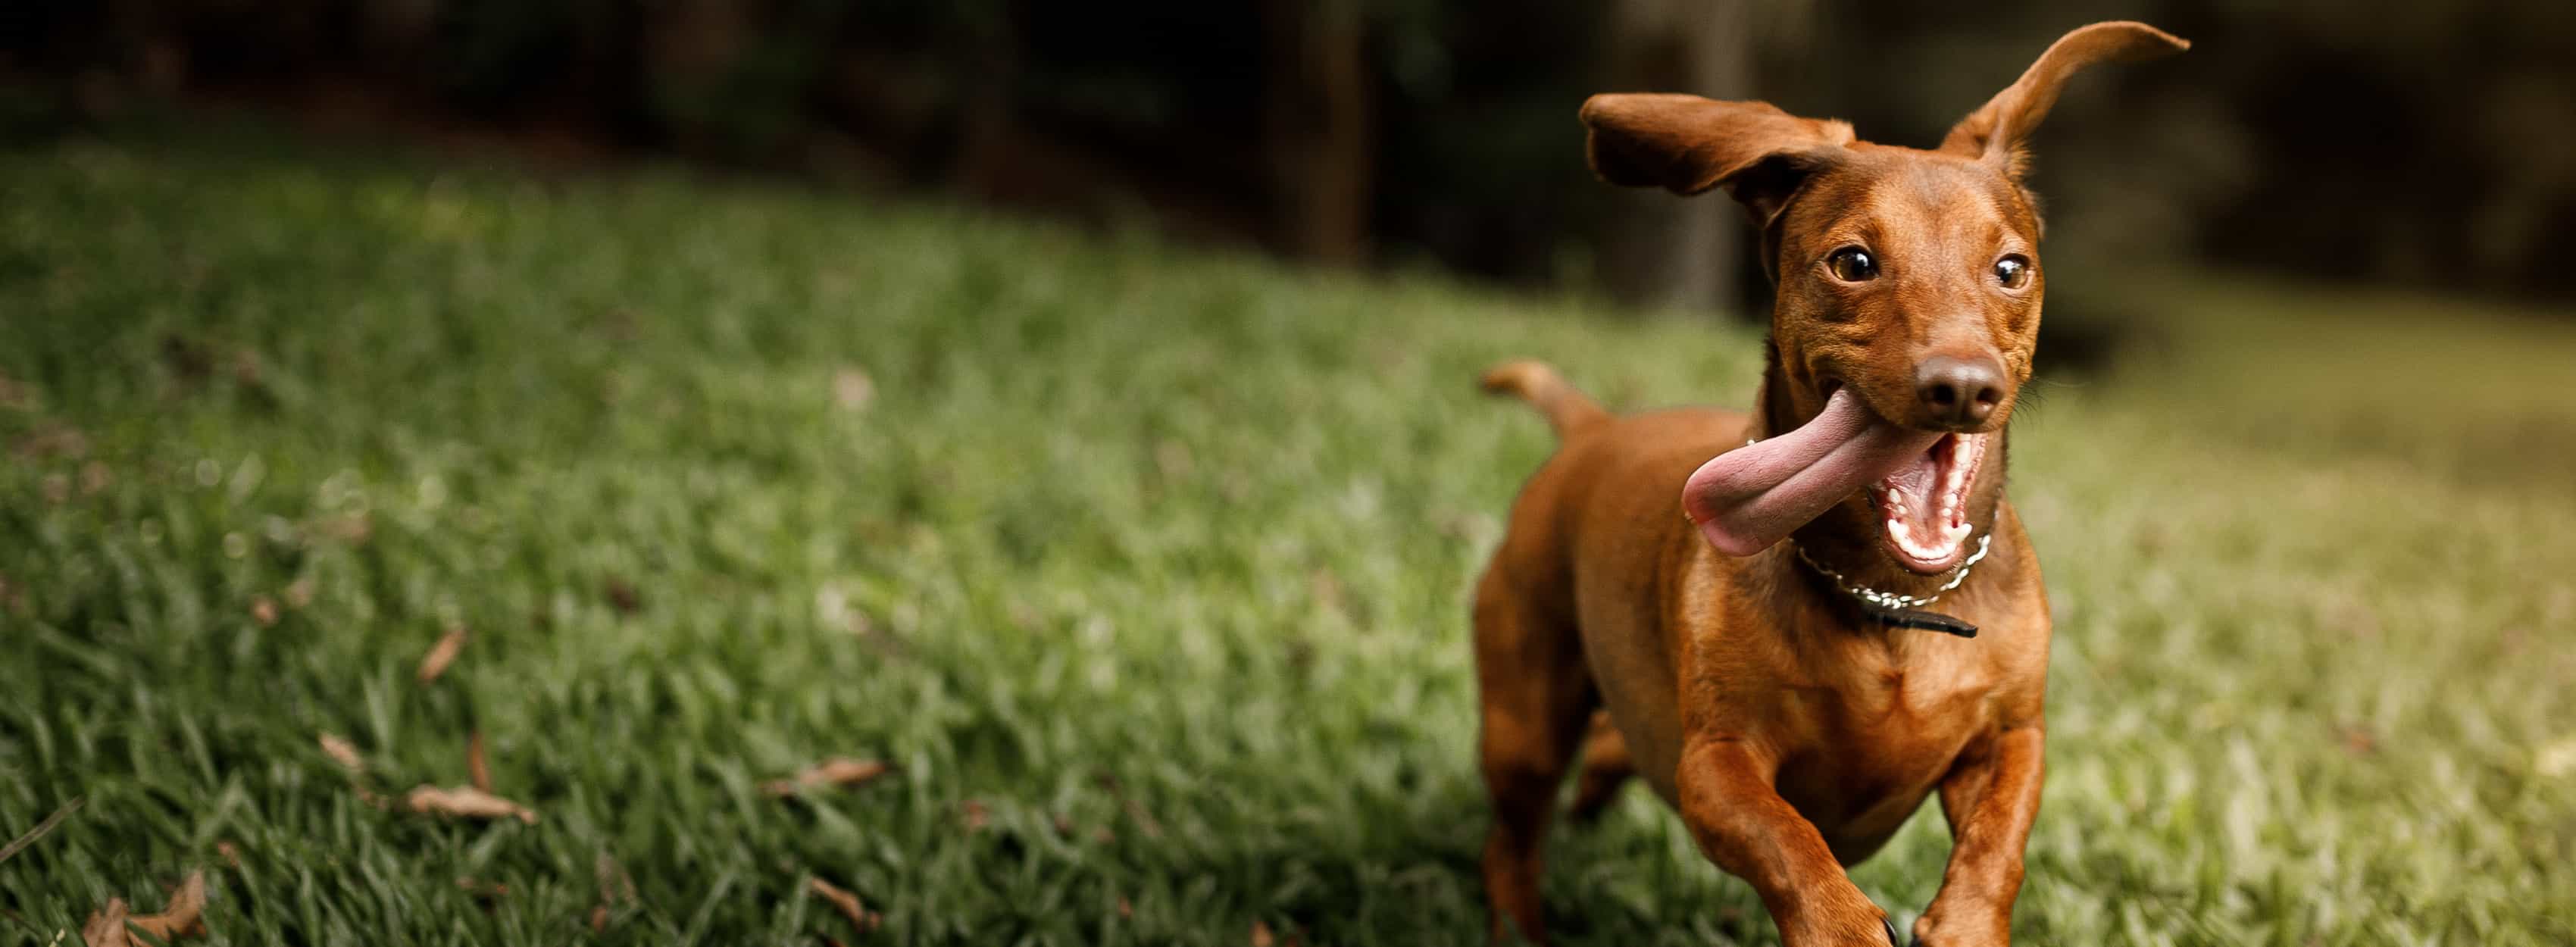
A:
(1924, 503)
(1919, 482)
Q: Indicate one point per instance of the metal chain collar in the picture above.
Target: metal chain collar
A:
(1892, 600)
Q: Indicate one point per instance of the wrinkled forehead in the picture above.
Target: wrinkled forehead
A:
(1896, 200)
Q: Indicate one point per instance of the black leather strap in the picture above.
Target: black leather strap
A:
(1919, 618)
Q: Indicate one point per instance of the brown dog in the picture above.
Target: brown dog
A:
(1796, 700)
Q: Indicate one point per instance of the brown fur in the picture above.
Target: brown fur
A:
(1793, 735)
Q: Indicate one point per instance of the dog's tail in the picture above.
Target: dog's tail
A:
(1567, 410)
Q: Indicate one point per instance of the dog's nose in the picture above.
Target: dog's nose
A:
(1959, 390)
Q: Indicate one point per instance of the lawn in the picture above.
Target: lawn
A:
(1144, 567)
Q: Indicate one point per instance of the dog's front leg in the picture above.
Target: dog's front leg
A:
(1743, 825)
(1990, 798)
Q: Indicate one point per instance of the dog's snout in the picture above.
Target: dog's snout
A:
(1962, 391)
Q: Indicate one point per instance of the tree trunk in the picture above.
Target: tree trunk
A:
(1315, 121)
(1658, 250)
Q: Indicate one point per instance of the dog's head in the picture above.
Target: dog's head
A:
(1910, 278)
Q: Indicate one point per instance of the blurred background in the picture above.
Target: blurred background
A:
(2424, 145)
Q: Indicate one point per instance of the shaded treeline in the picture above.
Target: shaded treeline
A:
(2430, 145)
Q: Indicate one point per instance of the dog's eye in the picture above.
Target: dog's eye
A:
(1852, 265)
(2013, 271)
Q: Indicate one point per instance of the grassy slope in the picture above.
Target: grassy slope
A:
(1119, 511)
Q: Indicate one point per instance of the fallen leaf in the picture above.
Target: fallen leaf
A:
(1260, 934)
(342, 752)
(2358, 740)
(615, 887)
(1144, 820)
(115, 924)
(483, 890)
(466, 802)
(624, 598)
(299, 593)
(187, 358)
(475, 770)
(1125, 909)
(263, 611)
(839, 771)
(52, 439)
(230, 852)
(852, 390)
(442, 654)
(848, 904)
(95, 477)
(976, 815)
(106, 926)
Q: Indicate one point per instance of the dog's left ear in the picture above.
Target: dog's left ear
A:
(1994, 133)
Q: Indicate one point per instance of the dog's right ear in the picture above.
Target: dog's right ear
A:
(1686, 144)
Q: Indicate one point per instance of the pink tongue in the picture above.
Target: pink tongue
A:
(1750, 497)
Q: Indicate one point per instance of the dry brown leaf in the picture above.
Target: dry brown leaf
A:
(263, 611)
(1261, 934)
(344, 753)
(976, 814)
(615, 887)
(1152, 827)
(106, 926)
(475, 770)
(299, 593)
(852, 390)
(1126, 909)
(52, 439)
(230, 852)
(466, 802)
(848, 904)
(351, 529)
(839, 771)
(95, 477)
(483, 890)
(116, 923)
(623, 597)
(442, 654)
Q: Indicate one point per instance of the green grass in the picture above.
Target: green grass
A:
(1166, 547)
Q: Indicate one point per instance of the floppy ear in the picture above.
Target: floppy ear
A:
(1995, 132)
(1686, 144)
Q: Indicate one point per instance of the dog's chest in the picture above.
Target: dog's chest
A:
(1880, 735)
